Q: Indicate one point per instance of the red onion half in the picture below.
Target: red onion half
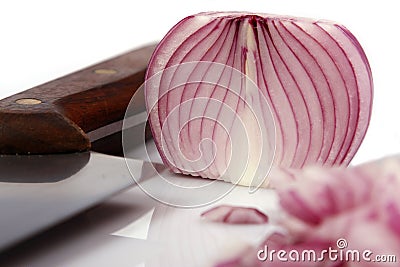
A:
(312, 102)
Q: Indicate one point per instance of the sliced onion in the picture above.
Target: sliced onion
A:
(235, 215)
(356, 209)
(312, 104)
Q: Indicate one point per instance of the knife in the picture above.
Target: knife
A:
(49, 170)
(61, 115)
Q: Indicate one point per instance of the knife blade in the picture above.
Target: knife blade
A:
(49, 171)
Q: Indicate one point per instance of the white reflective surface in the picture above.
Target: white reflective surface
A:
(132, 228)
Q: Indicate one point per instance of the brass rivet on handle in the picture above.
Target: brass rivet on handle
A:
(105, 71)
(28, 101)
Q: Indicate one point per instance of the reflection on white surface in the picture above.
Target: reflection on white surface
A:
(137, 229)
(185, 239)
(146, 152)
(116, 232)
(180, 237)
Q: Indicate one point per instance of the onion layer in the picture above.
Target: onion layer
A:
(312, 104)
(235, 215)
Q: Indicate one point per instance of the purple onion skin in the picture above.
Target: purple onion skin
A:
(314, 75)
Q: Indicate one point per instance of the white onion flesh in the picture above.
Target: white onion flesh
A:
(312, 106)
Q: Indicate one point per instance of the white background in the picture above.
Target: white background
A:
(41, 40)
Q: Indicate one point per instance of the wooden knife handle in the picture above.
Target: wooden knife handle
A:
(55, 117)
